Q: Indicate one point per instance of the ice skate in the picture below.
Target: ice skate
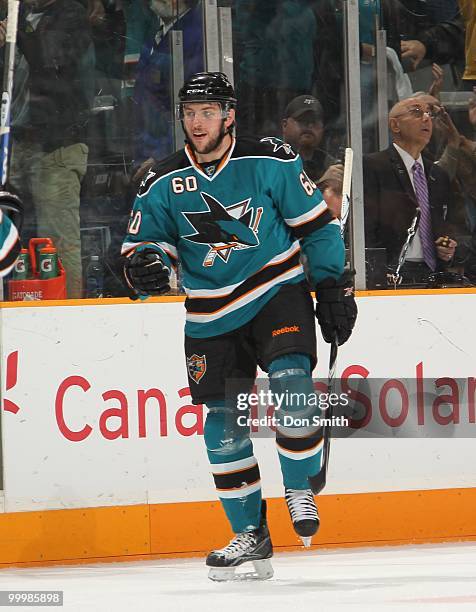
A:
(303, 511)
(250, 546)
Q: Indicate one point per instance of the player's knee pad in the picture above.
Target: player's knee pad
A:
(222, 433)
(291, 383)
(290, 373)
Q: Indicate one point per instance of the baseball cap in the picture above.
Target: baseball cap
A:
(304, 104)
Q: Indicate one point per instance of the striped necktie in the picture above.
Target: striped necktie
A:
(424, 228)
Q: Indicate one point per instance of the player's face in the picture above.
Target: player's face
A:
(305, 131)
(205, 126)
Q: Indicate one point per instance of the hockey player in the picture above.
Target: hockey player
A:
(11, 219)
(236, 213)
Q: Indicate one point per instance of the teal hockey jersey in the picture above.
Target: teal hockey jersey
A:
(238, 233)
(9, 244)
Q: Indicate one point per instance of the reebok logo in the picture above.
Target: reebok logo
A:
(286, 330)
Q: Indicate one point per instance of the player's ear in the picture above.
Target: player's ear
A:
(230, 120)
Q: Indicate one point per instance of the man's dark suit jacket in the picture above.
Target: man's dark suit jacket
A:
(390, 202)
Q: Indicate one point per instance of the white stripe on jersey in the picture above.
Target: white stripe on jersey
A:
(233, 466)
(298, 455)
(224, 291)
(244, 299)
(169, 249)
(282, 161)
(242, 492)
(308, 216)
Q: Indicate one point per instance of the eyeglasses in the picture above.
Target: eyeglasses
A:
(418, 112)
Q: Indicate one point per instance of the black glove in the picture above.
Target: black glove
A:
(336, 310)
(146, 273)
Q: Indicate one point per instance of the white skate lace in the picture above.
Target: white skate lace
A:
(301, 505)
(241, 543)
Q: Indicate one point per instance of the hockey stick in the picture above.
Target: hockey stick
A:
(318, 482)
(9, 202)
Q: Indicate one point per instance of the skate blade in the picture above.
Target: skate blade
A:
(306, 541)
(263, 570)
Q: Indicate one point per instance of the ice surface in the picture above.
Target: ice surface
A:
(417, 578)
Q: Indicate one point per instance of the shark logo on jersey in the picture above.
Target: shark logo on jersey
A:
(147, 182)
(224, 228)
(278, 144)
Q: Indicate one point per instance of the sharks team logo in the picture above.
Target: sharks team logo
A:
(147, 182)
(278, 144)
(224, 228)
(196, 366)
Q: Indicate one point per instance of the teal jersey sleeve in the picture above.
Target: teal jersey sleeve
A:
(151, 225)
(305, 212)
(9, 244)
(325, 253)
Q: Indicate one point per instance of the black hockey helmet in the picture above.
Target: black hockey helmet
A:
(207, 87)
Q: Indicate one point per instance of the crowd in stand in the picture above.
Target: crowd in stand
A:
(93, 111)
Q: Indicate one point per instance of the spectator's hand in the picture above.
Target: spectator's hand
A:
(435, 88)
(3, 32)
(333, 201)
(333, 177)
(96, 12)
(414, 51)
(445, 248)
(445, 123)
(143, 169)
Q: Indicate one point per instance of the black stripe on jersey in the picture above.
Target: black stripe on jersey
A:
(296, 445)
(11, 256)
(314, 224)
(236, 480)
(175, 161)
(210, 304)
(269, 146)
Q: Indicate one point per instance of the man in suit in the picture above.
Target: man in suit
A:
(397, 182)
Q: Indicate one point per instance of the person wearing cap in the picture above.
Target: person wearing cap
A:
(303, 129)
